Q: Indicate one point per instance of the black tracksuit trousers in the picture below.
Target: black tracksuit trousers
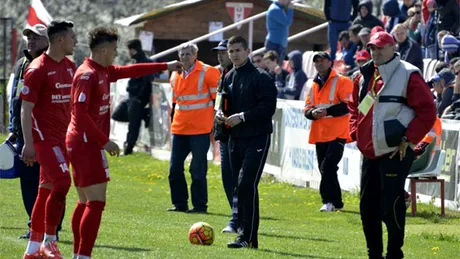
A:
(382, 199)
(248, 156)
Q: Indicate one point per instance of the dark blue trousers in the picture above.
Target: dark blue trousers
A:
(227, 181)
(278, 48)
(182, 145)
(333, 31)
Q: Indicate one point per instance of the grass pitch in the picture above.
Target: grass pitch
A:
(135, 222)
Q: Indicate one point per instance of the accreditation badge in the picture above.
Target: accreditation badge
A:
(366, 104)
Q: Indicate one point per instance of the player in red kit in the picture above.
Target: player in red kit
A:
(88, 134)
(45, 115)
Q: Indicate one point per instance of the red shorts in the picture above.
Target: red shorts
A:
(89, 164)
(53, 160)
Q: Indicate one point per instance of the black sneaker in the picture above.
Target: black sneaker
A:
(25, 236)
(178, 209)
(242, 244)
(199, 211)
(128, 151)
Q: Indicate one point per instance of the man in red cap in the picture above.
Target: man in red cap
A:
(362, 57)
(391, 110)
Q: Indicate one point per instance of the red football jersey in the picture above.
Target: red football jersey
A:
(90, 120)
(47, 84)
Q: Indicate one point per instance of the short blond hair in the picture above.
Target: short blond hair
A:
(400, 26)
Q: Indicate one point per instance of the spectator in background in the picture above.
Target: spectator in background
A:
(409, 50)
(453, 111)
(279, 74)
(425, 12)
(406, 5)
(140, 92)
(450, 46)
(429, 32)
(296, 79)
(440, 66)
(365, 18)
(258, 60)
(395, 15)
(413, 23)
(452, 63)
(353, 32)
(279, 18)
(326, 107)
(439, 37)
(338, 14)
(348, 49)
(362, 57)
(448, 16)
(376, 29)
(443, 84)
(364, 36)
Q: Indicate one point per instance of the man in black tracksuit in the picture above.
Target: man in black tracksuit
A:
(37, 43)
(252, 103)
(140, 91)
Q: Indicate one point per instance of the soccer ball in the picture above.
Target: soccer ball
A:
(201, 233)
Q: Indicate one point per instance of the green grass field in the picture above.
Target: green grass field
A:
(135, 223)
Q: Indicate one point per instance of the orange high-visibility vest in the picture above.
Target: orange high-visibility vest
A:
(193, 96)
(436, 131)
(335, 90)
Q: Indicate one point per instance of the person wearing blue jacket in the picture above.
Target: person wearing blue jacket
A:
(279, 17)
(296, 79)
(338, 14)
(396, 16)
(348, 49)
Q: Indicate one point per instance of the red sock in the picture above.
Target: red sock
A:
(89, 226)
(76, 219)
(55, 204)
(37, 225)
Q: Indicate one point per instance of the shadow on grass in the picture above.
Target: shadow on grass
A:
(350, 212)
(294, 254)
(13, 228)
(297, 237)
(229, 216)
(129, 249)
(434, 216)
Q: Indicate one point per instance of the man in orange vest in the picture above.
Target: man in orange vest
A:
(192, 116)
(326, 106)
(435, 132)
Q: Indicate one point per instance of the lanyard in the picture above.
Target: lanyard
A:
(376, 78)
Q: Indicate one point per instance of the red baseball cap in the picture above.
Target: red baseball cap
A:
(362, 55)
(376, 29)
(380, 39)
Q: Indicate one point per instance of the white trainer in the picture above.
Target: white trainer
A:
(328, 207)
(228, 229)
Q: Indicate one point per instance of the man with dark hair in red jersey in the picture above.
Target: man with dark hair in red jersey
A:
(88, 134)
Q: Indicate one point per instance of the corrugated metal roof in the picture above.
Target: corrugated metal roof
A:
(312, 13)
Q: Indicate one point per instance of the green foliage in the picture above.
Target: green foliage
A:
(136, 224)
